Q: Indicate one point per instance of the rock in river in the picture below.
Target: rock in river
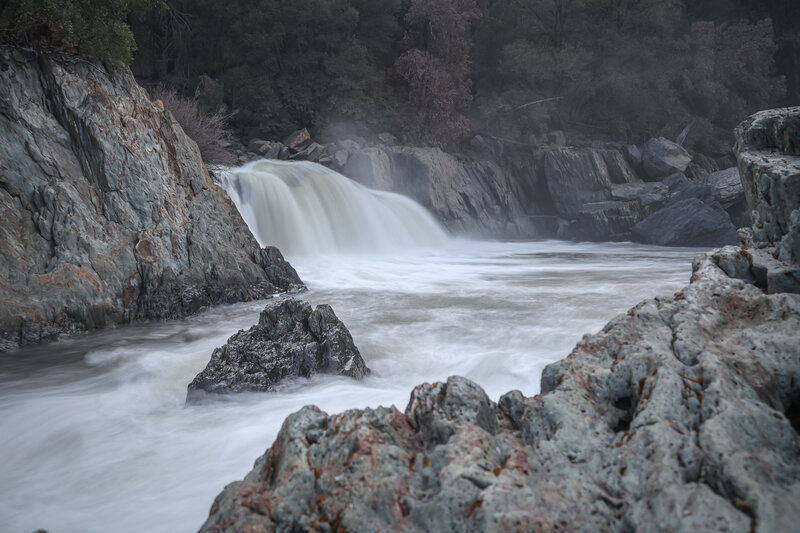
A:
(290, 340)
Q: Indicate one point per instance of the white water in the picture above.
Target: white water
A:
(94, 435)
(305, 208)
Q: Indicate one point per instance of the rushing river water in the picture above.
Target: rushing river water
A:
(95, 435)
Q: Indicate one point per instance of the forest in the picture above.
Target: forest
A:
(436, 73)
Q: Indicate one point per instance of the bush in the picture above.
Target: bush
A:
(209, 131)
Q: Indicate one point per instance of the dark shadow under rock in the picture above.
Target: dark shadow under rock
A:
(290, 340)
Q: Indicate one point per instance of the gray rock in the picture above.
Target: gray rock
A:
(664, 421)
(690, 218)
(109, 214)
(387, 138)
(313, 152)
(298, 140)
(634, 156)
(274, 151)
(726, 186)
(472, 197)
(575, 177)
(661, 157)
(290, 340)
(259, 146)
(557, 138)
(768, 154)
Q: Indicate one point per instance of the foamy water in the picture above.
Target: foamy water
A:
(95, 435)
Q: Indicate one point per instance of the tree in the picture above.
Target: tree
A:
(436, 68)
(86, 26)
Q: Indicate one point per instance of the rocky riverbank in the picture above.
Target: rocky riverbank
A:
(109, 214)
(681, 415)
(557, 187)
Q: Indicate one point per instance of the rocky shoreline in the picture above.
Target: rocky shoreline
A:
(683, 414)
(109, 215)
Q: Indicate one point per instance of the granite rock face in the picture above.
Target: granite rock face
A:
(108, 212)
(768, 153)
(290, 340)
(681, 415)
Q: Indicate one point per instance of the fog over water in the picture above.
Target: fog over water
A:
(96, 437)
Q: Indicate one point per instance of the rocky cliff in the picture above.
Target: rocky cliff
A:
(681, 415)
(108, 212)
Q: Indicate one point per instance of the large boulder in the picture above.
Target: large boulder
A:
(109, 214)
(290, 340)
(728, 190)
(662, 157)
(679, 416)
(690, 218)
(768, 153)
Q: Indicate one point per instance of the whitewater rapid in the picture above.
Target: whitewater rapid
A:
(96, 436)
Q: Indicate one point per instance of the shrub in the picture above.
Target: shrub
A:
(209, 131)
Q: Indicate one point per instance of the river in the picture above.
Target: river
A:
(95, 435)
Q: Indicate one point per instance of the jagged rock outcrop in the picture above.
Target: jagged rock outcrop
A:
(472, 197)
(290, 340)
(768, 153)
(662, 157)
(681, 415)
(108, 212)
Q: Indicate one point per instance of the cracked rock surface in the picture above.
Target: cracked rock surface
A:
(108, 212)
(290, 340)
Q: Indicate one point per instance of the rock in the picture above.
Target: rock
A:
(665, 420)
(557, 138)
(619, 171)
(259, 146)
(607, 221)
(661, 157)
(312, 153)
(472, 197)
(109, 214)
(298, 140)
(768, 155)
(275, 150)
(574, 177)
(726, 186)
(651, 195)
(290, 340)
(729, 192)
(633, 155)
(387, 138)
(690, 218)
(340, 158)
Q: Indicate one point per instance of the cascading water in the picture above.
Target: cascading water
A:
(304, 208)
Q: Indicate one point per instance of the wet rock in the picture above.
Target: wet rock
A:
(663, 420)
(661, 157)
(109, 214)
(472, 197)
(259, 146)
(290, 340)
(576, 177)
(690, 218)
(729, 192)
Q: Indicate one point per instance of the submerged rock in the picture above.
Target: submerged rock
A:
(108, 213)
(290, 340)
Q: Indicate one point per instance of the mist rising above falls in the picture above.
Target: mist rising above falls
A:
(304, 208)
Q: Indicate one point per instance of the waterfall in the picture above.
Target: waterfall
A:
(304, 208)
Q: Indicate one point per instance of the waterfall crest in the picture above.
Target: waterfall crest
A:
(304, 209)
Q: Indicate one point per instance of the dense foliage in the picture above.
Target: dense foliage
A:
(438, 71)
(88, 26)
